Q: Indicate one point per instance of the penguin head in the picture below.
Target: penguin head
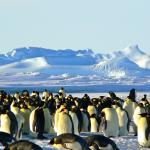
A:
(73, 108)
(63, 109)
(25, 93)
(55, 141)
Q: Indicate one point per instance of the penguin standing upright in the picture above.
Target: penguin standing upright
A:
(25, 111)
(56, 118)
(19, 117)
(123, 121)
(130, 103)
(9, 122)
(65, 123)
(94, 123)
(110, 122)
(139, 110)
(48, 120)
(86, 121)
(75, 120)
(37, 123)
(144, 130)
(93, 117)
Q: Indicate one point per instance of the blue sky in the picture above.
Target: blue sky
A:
(101, 25)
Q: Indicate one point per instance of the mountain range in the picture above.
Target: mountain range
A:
(74, 66)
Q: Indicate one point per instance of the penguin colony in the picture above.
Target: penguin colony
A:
(66, 116)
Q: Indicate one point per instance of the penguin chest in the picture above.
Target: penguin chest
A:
(73, 146)
(5, 123)
(75, 122)
(94, 125)
(142, 126)
(64, 124)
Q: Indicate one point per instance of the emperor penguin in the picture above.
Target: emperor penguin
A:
(25, 111)
(19, 117)
(75, 120)
(94, 123)
(9, 122)
(86, 126)
(48, 120)
(23, 145)
(123, 121)
(45, 94)
(102, 142)
(130, 103)
(129, 106)
(37, 123)
(56, 117)
(139, 110)
(110, 122)
(62, 90)
(65, 123)
(69, 141)
(144, 130)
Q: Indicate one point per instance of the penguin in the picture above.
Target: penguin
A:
(23, 145)
(6, 138)
(9, 122)
(86, 126)
(94, 123)
(69, 141)
(110, 122)
(123, 121)
(48, 120)
(129, 106)
(75, 120)
(102, 142)
(130, 103)
(143, 128)
(19, 117)
(65, 123)
(62, 90)
(45, 95)
(56, 117)
(25, 111)
(139, 110)
(37, 123)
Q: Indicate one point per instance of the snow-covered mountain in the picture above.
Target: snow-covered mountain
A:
(129, 62)
(137, 56)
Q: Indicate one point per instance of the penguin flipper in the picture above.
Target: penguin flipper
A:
(147, 131)
(20, 131)
(103, 123)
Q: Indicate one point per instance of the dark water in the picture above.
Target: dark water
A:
(80, 89)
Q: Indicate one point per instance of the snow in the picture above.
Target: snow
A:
(137, 56)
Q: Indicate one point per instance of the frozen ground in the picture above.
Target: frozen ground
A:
(124, 142)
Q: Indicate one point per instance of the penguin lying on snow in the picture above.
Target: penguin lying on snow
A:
(5, 138)
(23, 145)
(69, 141)
(102, 142)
